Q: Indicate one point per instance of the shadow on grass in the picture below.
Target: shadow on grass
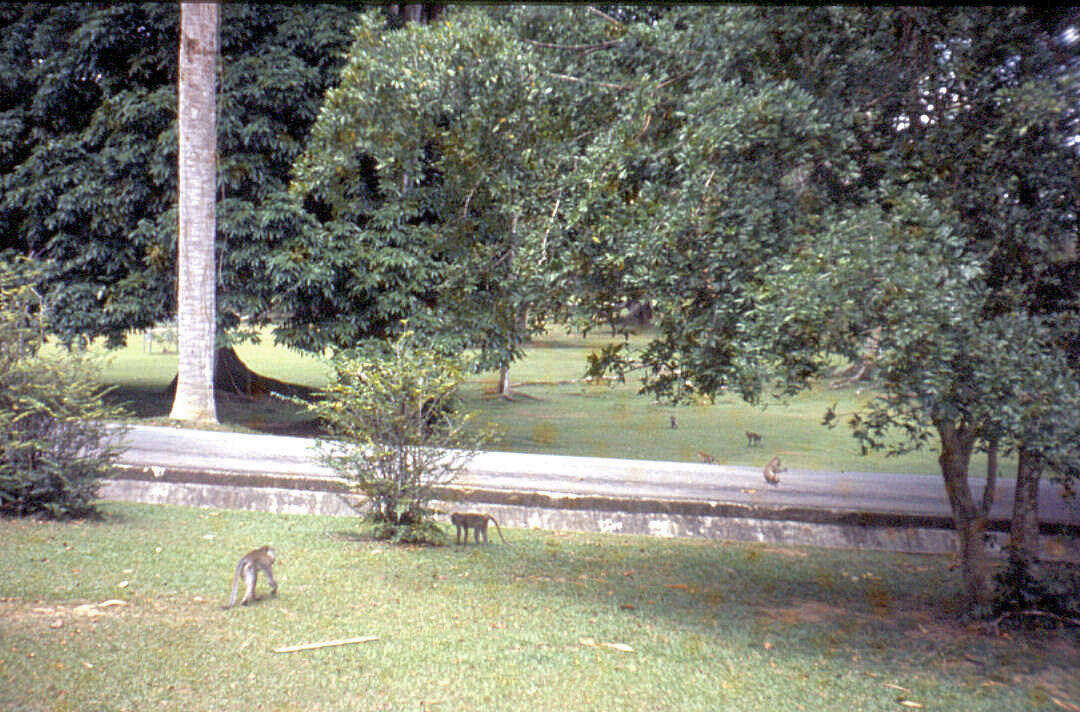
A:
(350, 536)
(266, 414)
(883, 612)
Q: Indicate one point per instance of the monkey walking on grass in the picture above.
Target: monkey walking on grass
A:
(464, 521)
(248, 569)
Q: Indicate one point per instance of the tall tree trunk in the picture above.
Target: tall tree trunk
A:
(196, 278)
(1024, 528)
(956, 446)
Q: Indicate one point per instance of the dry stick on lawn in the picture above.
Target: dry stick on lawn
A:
(325, 644)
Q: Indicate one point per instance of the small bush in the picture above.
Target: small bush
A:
(1036, 594)
(396, 433)
(54, 445)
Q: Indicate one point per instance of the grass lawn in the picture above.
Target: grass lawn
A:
(559, 414)
(550, 621)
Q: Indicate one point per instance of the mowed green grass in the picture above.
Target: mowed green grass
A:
(556, 412)
(549, 621)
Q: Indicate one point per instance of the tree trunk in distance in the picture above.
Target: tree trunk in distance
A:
(956, 446)
(196, 273)
(504, 383)
(1024, 528)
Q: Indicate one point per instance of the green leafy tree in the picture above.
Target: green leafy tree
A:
(942, 369)
(54, 443)
(759, 154)
(976, 117)
(395, 432)
(428, 167)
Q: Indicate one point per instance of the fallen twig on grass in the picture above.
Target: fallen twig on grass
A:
(325, 644)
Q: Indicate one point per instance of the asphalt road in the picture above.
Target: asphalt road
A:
(150, 446)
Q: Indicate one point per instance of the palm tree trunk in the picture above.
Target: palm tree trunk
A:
(196, 279)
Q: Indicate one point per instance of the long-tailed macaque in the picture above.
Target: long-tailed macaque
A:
(772, 471)
(752, 438)
(674, 423)
(463, 521)
(250, 565)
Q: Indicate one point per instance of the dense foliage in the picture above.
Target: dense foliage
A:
(54, 443)
(396, 432)
(88, 143)
(793, 185)
(429, 166)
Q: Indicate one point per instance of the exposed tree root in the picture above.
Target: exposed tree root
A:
(232, 376)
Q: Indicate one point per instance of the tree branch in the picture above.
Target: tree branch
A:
(606, 16)
(569, 78)
(575, 47)
(543, 241)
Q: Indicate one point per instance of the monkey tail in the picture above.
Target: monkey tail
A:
(497, 528)
(235, 581)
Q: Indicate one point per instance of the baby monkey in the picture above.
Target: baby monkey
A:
(772, 472)
(250, 565)
(477, 522)
(752, 438)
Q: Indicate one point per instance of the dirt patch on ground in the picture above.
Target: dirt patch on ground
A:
(38, 618)
(38, 614)
(815, 612)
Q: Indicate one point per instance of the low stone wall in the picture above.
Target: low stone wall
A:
(536, 510)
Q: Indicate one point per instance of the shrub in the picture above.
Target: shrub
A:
(396, 432)
(54, 443)
(1037, 594)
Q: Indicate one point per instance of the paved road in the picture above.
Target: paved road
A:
(842, 491)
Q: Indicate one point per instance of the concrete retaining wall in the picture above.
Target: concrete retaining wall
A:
(533, 510)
